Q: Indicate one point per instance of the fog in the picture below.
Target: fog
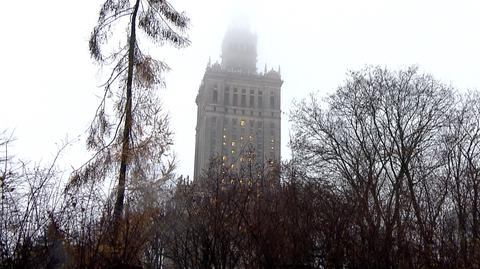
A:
(49, 83)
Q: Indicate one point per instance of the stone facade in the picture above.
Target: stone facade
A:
(238, 107)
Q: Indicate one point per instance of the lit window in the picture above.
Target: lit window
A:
(224, 143)
(233, 143)
(224, 158)
(242, 123)
(233, 152)
(251, 138)
(224, 137)
(273, 140)
(241, 137)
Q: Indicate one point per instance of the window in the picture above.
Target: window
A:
(242, 123)
(234, 143)
(235, 99)
(244, 98)
(252, 98)
(260, 99)
(215, 96)
(272, 102)
(226, 96)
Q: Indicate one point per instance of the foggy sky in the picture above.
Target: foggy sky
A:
(49, 83)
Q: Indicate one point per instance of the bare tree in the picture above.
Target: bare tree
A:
(29, 194)
(461, 143)
(377, 140)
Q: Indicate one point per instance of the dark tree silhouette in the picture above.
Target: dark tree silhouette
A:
(402, 148)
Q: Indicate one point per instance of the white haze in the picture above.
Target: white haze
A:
(48, 81)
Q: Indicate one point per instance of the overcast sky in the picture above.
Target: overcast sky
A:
(48, 83)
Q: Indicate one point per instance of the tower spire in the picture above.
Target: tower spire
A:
(239, 49)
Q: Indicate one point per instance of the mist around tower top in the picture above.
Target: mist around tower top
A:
(240, 20)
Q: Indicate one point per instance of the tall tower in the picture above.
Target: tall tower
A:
(238, 107)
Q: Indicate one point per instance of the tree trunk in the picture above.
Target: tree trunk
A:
(120, 197)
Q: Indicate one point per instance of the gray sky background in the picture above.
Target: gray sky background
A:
(48, 87)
